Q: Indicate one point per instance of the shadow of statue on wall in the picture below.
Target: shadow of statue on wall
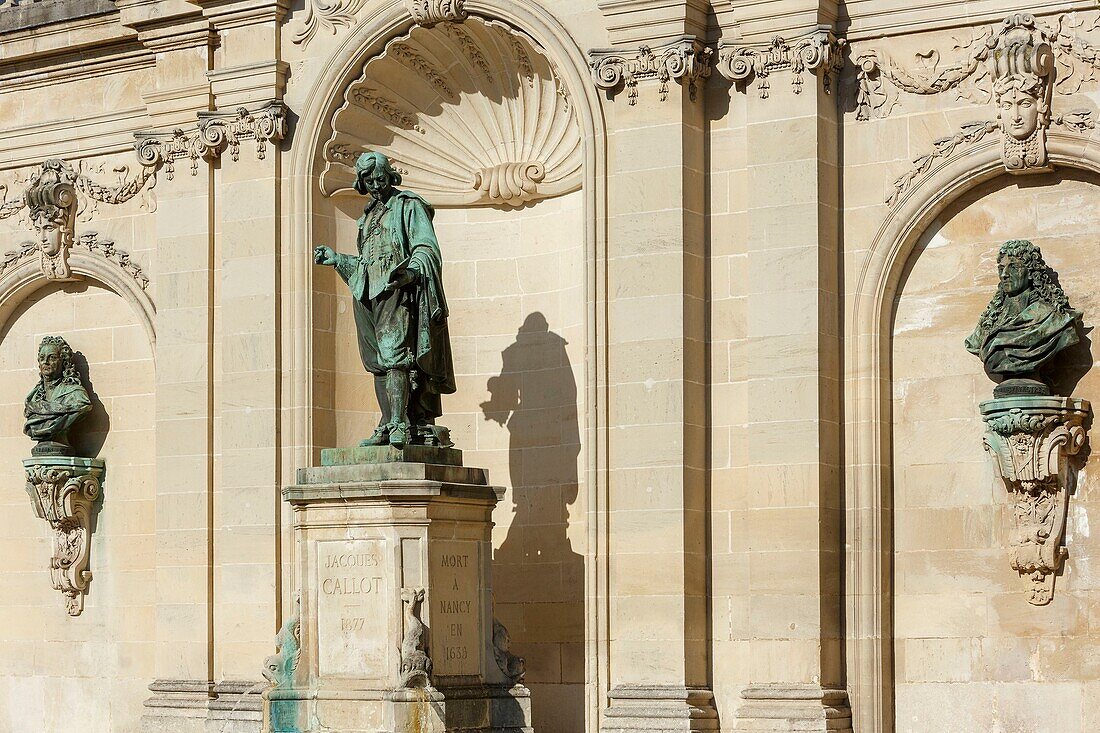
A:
(91, 432)
(538, 578)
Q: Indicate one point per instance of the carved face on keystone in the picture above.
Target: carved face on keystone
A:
(51, 232)
(1019, 111)
(50, 361)
(1014, 276)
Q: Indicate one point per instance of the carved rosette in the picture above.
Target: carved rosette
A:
(1032, 441)
(819, 52)
(686, 61)
(63, 491)
(430, 12)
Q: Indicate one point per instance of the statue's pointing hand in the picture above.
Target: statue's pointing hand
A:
(323, 255)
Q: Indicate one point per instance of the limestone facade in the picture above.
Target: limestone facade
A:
(710, 266)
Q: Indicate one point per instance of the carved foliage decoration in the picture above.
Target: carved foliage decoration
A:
(215, 133)
(62, 491)
(416, 665)
(325, 15)
(470, 113)
(429, 12)
(55, 193)
(687, 61)
(1033, 441)
(1018, 66)
(819, 52)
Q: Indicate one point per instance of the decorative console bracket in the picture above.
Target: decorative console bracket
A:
(62, 491)
(1032, 440)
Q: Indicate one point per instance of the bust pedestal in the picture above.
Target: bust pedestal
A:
(395, 631)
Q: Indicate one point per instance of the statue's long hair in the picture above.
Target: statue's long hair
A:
(1044, 283)
(69, 375)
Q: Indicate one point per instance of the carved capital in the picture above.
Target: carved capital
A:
(1032, 441)
(819, 52)
(215, 133)
(62, 492)
(430, 12)
(687, 61)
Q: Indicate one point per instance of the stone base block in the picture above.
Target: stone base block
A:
(794, 708)
(193, 706)
(459, 710)
(660, 709)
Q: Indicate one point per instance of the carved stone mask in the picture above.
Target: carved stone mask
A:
(1019, 111)
(52, 235)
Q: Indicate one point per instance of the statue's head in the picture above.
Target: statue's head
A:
(1021, 268)
(55, 360)
(53, 212)
(374, 175)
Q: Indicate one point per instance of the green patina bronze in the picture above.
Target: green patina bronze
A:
(57, 402)
(396, 282)
(1026, 325)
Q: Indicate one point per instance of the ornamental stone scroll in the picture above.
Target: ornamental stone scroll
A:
(1032, 435)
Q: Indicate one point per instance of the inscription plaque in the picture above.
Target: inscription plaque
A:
(352, 600)
(455, 607)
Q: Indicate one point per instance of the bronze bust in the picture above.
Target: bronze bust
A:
(57, 402)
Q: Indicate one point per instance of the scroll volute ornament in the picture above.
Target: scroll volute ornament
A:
(1032, 435)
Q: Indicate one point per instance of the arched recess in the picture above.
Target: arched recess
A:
(26, 277)
(869, 423)
(381, 24)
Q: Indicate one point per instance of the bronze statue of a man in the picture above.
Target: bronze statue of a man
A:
(57, 402)
(1028, 322)
(396, 282)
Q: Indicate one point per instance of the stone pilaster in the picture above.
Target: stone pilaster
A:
(657, 593)
(790, 621)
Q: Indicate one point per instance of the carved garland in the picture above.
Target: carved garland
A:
(62, 491)
(687, 61)
(51, 199)
(819, 51)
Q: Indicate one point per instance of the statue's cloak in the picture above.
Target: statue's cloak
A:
(408, 225)
(48, 418)
(1021, 345)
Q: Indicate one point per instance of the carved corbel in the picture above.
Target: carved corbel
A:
(819, 52)
(63, 491)
(215, 133)
(430, 12)
(687, 61)
(1033, 441)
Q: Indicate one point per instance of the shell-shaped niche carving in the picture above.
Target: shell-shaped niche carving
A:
(471, 114)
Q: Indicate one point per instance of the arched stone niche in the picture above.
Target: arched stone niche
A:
(502, 138)
(116, 626)
(929, 273)
(472, 113)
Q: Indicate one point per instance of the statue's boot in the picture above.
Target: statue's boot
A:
(397, 387)
(381, 434)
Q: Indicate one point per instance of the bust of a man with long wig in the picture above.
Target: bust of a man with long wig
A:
(1027, 324)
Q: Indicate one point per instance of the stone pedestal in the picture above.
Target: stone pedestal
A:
(395, 627)
(771, 708)
(63, 491)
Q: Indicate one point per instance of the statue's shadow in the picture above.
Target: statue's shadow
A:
(89, 435)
